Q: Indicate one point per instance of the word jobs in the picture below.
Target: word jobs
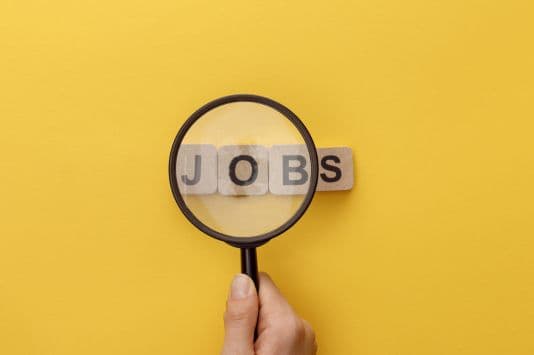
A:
(256, 169)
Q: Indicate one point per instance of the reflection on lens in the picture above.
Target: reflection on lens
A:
(243, 169)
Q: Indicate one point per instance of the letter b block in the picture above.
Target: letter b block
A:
(289, 169)
(196, 169)
(243, 170)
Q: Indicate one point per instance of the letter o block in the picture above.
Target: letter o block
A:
(243, 170)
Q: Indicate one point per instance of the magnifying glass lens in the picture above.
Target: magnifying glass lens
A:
(243, 169)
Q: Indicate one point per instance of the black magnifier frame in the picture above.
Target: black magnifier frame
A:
(246, 244)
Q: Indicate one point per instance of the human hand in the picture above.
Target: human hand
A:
(280, 330)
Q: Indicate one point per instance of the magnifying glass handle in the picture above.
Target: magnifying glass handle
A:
(249, 264)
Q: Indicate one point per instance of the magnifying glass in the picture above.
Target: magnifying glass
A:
(243, 169)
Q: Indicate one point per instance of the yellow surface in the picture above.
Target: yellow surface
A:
(431, 253)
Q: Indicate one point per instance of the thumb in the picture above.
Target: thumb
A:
(240, 317)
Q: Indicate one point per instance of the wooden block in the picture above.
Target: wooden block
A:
(336, 170)
(243, 170)
(289, 169)
(196, 169)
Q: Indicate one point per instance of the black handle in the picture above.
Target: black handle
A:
(249, 264)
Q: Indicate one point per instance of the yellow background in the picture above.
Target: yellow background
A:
(431, 253)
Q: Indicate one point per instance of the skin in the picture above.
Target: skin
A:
(280, 330)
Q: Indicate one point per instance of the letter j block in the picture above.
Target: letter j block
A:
(196, 169)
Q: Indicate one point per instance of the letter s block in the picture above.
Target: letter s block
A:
(196, 169)
(336, 171)
(243, 170)
(289, 169)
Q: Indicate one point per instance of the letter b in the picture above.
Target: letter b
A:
(289, 169)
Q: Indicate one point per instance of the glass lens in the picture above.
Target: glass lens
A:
(243, 169)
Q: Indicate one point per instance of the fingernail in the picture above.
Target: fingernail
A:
(241, 287)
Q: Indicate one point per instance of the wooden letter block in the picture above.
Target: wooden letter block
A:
(243, 170)
(336, 171)
(196, 169)
(289, 169)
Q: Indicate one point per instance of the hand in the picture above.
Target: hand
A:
(280, 330)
